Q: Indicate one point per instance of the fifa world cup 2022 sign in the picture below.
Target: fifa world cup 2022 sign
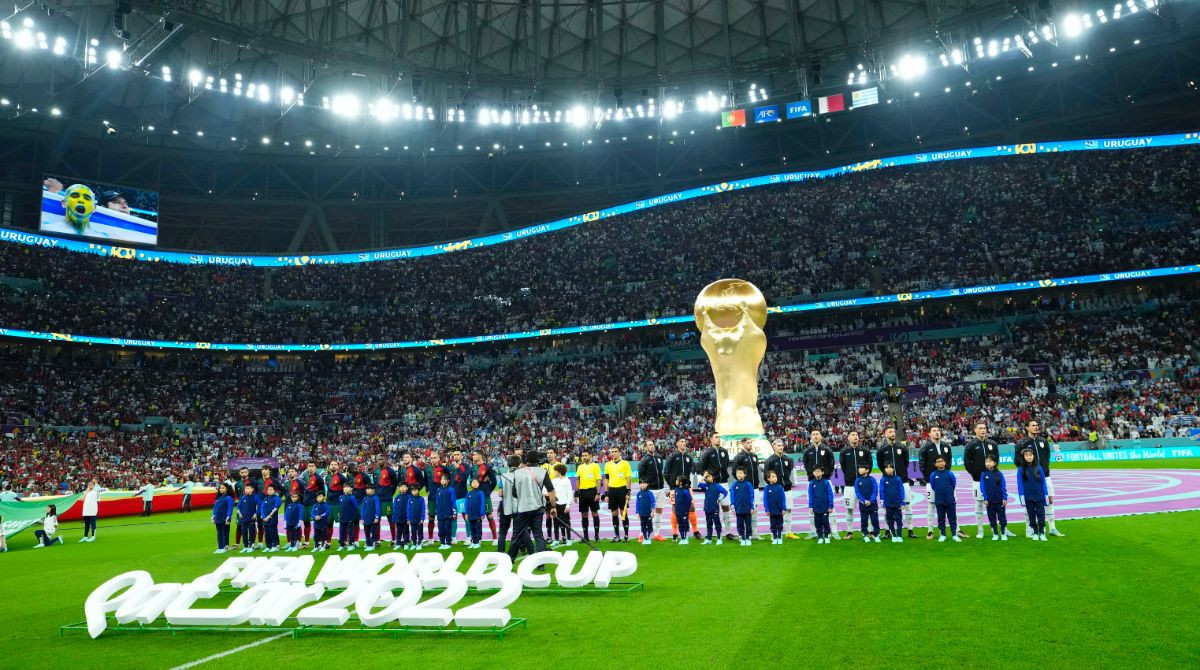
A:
(272, 590)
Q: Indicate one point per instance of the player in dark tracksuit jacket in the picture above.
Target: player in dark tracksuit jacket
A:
(852, 456)
(715, 459)
(347, 518)
(979, 448)
(933, 449)
(1041, 450)
(818, 455)
(894, 452)
(748, 461)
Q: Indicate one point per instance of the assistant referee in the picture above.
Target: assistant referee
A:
(617, 477)
(589, 475)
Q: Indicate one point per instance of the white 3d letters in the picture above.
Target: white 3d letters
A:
(275, 588)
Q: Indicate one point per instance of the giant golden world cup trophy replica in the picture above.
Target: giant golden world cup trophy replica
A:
(731, 314)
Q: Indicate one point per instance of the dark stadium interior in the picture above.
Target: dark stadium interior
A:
(239, 176)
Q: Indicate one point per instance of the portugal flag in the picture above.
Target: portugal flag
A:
(735, 118)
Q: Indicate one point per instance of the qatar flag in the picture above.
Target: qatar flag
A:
(831, 103)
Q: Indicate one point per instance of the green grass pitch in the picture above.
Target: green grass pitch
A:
(1116, 593)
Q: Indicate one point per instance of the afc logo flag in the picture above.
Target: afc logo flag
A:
(799, 109)
(766, 114)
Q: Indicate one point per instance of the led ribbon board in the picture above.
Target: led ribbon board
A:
(1123, 143)
(1178, 270)
(276, 591)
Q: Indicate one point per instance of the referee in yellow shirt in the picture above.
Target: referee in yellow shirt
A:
(589, 475)
(617, 477)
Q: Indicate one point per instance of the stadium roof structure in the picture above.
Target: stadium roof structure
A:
(311, 125)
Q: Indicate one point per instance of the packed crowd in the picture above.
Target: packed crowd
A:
(953, 224)
(1112, 374)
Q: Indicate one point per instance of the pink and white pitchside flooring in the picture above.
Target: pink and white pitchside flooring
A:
(1079, 494)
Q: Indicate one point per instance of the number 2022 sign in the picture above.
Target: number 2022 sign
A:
(276, 588)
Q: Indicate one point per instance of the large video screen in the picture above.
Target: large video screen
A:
(100, 211)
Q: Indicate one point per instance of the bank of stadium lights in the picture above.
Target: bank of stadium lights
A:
(757, 94)
(857, 75)
(910, 66)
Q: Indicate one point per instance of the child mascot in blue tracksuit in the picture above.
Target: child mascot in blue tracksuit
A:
(743, 505)
(894, 495)
(820, 500)
(320, 519)
(446, 507)
(247, 508)
(347, 518)
(268, 519)
(714, 493)
(293, 514)
(1031, 489)
(775, 500)
(222, 516)
(942, 483)
(416, 520)
(371, 512)
(644, 508)
(683, 506)
(476, 511)
(866, 490)
(399, 520)
(995, 498)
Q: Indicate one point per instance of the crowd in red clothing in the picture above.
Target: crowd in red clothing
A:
(159, 417)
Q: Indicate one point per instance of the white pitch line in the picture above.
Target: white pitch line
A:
(235, 650)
